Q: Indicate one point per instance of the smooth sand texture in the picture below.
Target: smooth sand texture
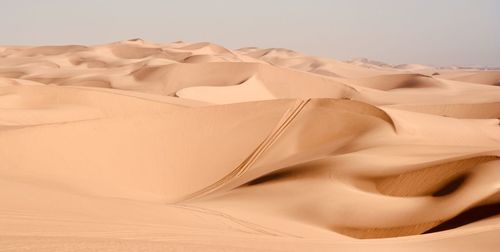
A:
(135, 146)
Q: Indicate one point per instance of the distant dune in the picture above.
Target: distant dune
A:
(138, 146)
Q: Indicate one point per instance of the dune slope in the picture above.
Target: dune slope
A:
(137, 146)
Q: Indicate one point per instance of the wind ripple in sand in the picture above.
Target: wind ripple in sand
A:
(138, 145)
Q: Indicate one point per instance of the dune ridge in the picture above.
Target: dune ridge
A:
(136, 145)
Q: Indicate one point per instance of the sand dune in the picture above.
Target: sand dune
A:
(484, 77)
(140, 146)
(397, 81)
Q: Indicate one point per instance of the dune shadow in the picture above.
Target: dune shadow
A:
(451, 186)
(467, 217)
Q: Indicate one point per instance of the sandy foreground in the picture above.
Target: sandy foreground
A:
(136, 146)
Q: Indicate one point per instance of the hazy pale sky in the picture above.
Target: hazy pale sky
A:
(438, 32)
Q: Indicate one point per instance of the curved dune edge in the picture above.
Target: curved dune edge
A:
(473, 110)
(398, 81)
(137, 145)
(432, 180)
(292, 119)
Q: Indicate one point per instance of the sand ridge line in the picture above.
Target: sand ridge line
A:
(288, 117)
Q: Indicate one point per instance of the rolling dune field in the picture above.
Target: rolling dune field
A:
(139, 146)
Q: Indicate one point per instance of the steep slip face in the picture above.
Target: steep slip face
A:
(140, 146)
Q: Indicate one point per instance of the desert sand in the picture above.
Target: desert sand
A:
(138, 146)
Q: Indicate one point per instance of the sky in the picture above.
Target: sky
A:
(438, 32)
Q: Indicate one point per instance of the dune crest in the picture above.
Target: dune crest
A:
(136, 145)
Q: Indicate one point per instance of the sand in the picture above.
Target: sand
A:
(137, 146)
